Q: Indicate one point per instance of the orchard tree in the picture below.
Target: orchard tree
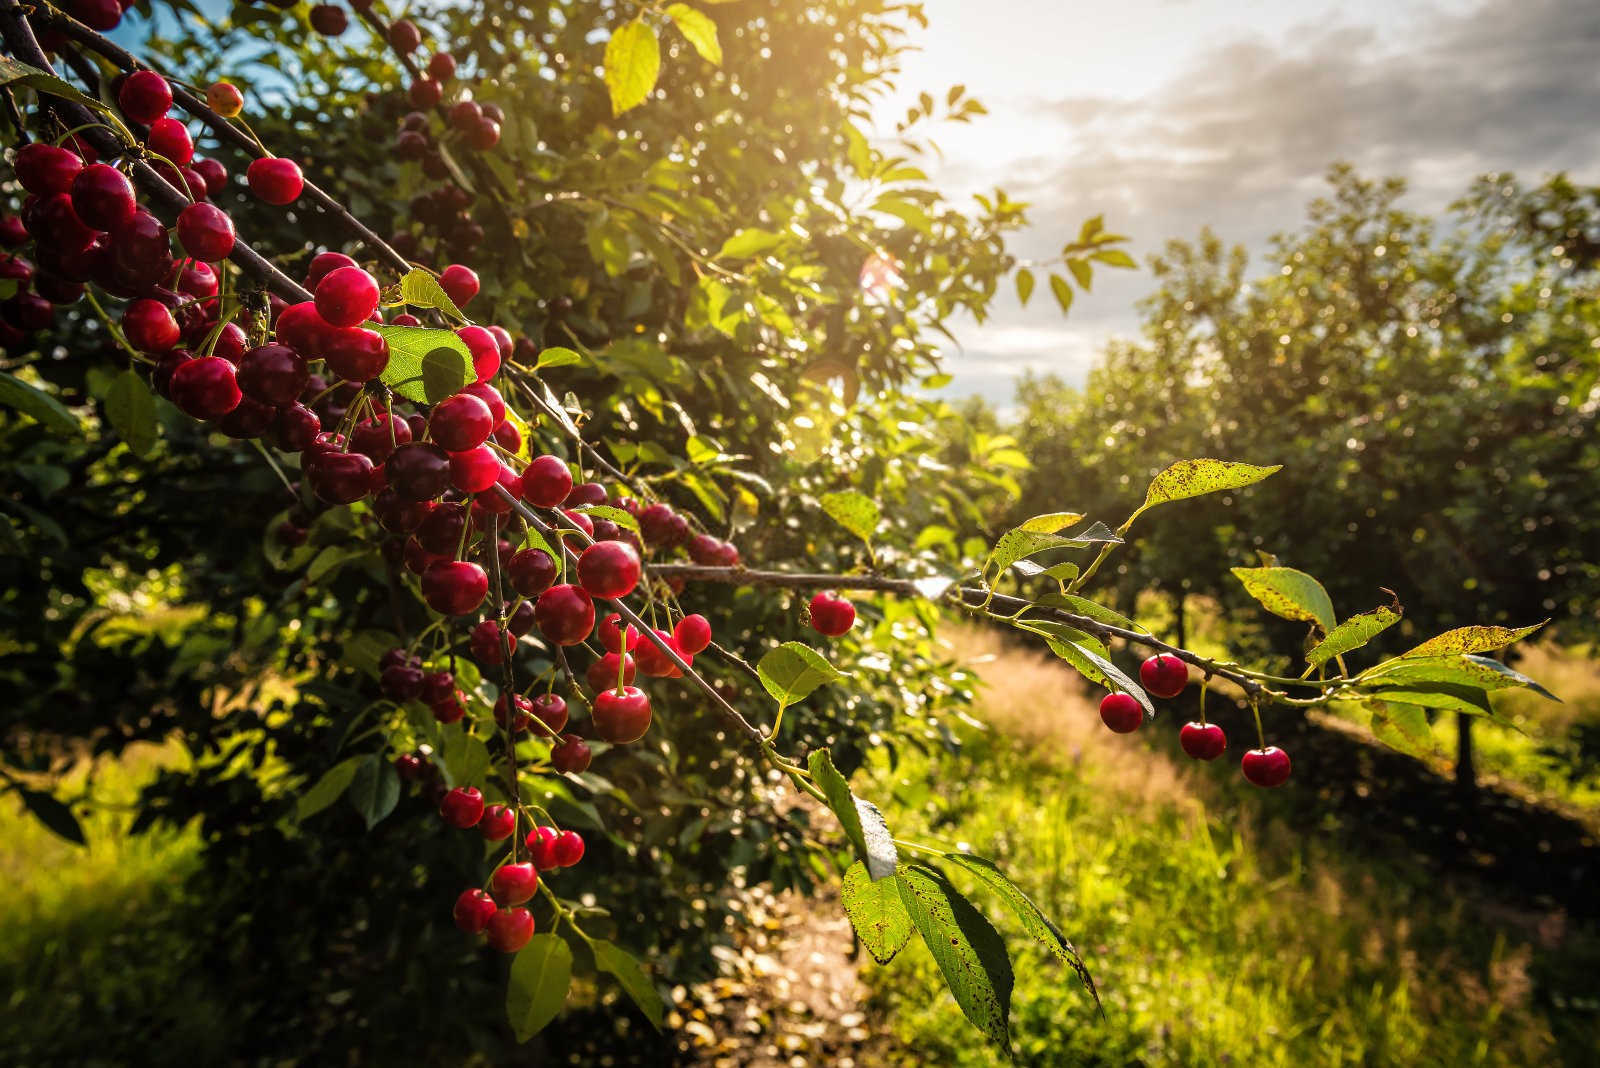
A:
(478, 461)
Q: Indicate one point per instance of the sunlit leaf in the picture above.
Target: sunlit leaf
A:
(426, 364)
(700, 31)
(968, 950)
(32, 401)
(792, 671)
(1192, 478)
(540, 976)
(1353, 633)
(875, 910)
(632, 64)
(1292, 594)
(626, 969)
(855, 512)
(1470, 640)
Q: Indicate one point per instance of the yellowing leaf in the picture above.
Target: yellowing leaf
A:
(699, 29)
(632, 64)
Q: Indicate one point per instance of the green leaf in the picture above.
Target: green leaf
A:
(1030, 915)
(1471, 640)
(1479, 671)
(875, 910)
(1442, 695)
(621, 518)
(556, 356)
(618, 962)
(862, 822)
(540, 976)
(699, 29)
(791, 671)
(426, 364)
(421, 288)
(1062, 291)
(32, 401)
(1049, 523)
(131, 411)
(374, 791)
(334, 782)
(1024, 285)
(465, 757)
(1353, 633)
(1403, 727)
(856, 512)
(632, 64)
(1292, 594)
(1018, 544)
(1193, 478)
(1084, 607)
(53, 813)
(13, 72)
(968, 950)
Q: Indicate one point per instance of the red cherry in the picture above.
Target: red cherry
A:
(531, 572)
(302, 329)
(662, 527)
(51, 219)
(541, 843)
(440, 531)
(28, 312)
(409, 767)
(485, 352)
(103, 197)
(355, 353)
(460, 283)
(491, 397)
(274, 374)
(499, 822)
(579, 520)
(502, 709)
(424, 93)
(474, 470)
(1164, 675)
(443, 67)
(97, 14)
(1203, 741)
(404, 36)
(612, 637)
(145, 96)
(603, 672)
(438, 686)
(419, 471)
(401, 682)
(450, 708)
(169, 138)
(693, 633)
(347, 296)
(45, 170)
(378, 436)
(206, 232)
(484, 642)
(609, 569)
(150, 327)
(323, 264)
(198, 281)
(831, 615)
(1266, 767)
(565, 614)
(339, 477)
(514, 883)
(464, 114)
(551, 710)
(295, 428)
(275, 179)
(510, 929)
(454, 587)
(460, 422)
(546, 481)
(568, 848)
(213, 173)
(474, 909)
(585, 493)
(484, 135)
(1121, 712)
(462, 807)
(654, 661)
(572, 755)
(621, 716)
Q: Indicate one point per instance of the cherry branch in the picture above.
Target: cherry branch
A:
(970, 597)
(224, 130)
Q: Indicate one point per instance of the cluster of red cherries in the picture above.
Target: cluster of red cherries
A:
(1165, 675)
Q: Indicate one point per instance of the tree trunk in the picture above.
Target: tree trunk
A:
(1466, 776)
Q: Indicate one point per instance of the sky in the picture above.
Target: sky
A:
(1171, 115)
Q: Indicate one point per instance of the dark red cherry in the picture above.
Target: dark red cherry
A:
(565, 614)
(103, 197)
(419, 471)
(206, 232)
(145, 96)
(205, 388)
(572, 755)
(1266, 767)
(340, 477)
(273, 373)
(295, 428)
(379, 436)
(531, 571)
(45, 170)
(213, 173)
(404, 36)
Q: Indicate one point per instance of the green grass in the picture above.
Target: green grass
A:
(1218, 935)
(92, 938)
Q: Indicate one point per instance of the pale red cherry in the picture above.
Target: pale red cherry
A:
(693, 633)
(1164, 675)
(275, 180)
(568, 849)
(460, 283)
(609, 569)
(1121, 712)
